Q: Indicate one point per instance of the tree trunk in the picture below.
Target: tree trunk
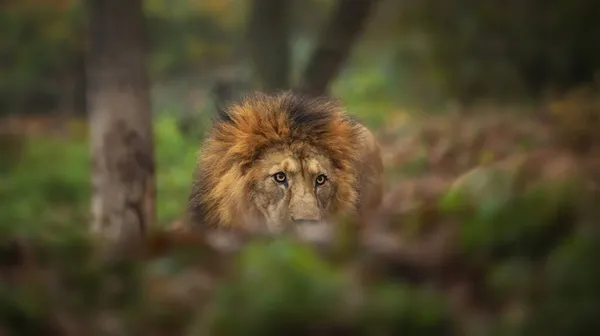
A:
(268, 36)
(335, 42)
(123, 185)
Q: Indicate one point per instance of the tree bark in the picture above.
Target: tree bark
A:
(334, 45)
(122, 149)
(268, 36)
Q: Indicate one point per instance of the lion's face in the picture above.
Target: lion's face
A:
(291, 188)
(277, 159)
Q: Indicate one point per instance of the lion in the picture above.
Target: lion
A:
(284, 160)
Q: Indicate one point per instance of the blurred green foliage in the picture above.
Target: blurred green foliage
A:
(506, 218)
(49, 185)
(284, 287)
(191, 34)
(513, 50)
(39, 43)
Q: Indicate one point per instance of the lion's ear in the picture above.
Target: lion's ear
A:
(221, 115)
(226, 92)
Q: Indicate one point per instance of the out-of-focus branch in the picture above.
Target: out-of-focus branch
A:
(335, 42)
(417, 260)
(268, 32)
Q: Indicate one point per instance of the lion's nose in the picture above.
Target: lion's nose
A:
(304, 208)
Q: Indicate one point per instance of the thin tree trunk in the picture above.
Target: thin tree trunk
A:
(268, 36)
(335, 43)
(123, 185)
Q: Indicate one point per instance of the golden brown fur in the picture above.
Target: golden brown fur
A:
(283, 158)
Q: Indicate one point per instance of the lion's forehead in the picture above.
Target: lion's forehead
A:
(284, 163)
(309, 161)
(313, 166)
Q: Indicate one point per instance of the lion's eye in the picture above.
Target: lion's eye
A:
(321, 179)
(280, 177)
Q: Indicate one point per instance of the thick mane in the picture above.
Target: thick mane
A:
(261, 121)
(243, 131)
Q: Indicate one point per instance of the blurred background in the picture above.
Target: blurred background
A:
(480, 95)
(399, 58)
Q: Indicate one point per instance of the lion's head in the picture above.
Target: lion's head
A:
(278, 159)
